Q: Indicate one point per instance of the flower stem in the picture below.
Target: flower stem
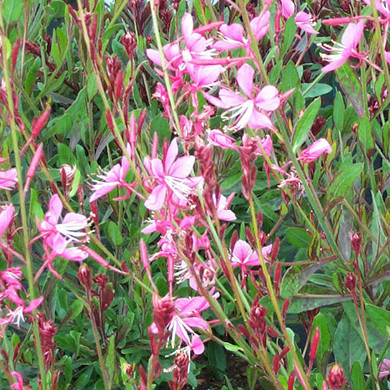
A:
(15, 146)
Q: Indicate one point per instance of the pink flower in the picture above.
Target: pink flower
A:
(222, 204)
(383, 7)
(244, 256)
(6, 217)
(233, 35)
(304, 21)
(8, 179)
(18, 385)
(246, 109)
(171, 176)
(196, 44)
(59, 235)
(288, 8)
(345, 49)
(384, 368)
(185, 318)
(17, 315)
(115, 177)
(217, 138)
(315, 150)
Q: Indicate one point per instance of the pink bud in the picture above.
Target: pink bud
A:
(314, 343)
(39, 124)
(217, 138)
(314, 151)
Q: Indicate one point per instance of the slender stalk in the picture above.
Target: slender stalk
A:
(23, 213)
(164, 67)
(273, 298)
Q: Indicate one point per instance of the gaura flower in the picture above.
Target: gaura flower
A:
(171, 176)
(58, 235)
(243, 256)
(115, 177)
(217, 138)
(233, 35)
(245, 109)
(314, 151)
(6, 217)
(347, 48)
(8, 179)
(303, 20)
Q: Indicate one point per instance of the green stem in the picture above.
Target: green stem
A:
(23, 213)
(164, 68)
(273, 298)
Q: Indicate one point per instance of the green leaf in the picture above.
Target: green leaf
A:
(288, 36)
(338, 111)
(296, 277)
(76, 308)
(348, 347)
(343, 181)
(110, 358)
(91, 86)
(304, 124)
(12, 11)
(114, 234)
(357, 376)
(350, 84)
(298, 237)
(321, 322)
(317, 90)
(365, 136)
(31, 76)
(305, 303)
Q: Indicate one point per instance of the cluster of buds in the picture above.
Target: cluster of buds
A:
(47, 331)
(115, 78)
(180, 370)
(258, 323)
(336, 379)
(248, 155)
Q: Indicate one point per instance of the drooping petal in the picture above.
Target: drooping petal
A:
(226, 215)
(55, 209)
(197, 345)
(172, 153)
(6, 217)
(230, 98)
(260, 25)
(187, 26)
(33, 305)
(259, 121)
(74, 254)
(268, 98)
(8, 179)
(156, 199)
(234, 32)
(352, 34)
(245, 79)
(182, 167)
(334, 64)
(303, 21)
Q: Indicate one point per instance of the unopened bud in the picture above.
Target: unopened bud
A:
(336, 379)
(350, 282)
(84, 276)
(356, 242)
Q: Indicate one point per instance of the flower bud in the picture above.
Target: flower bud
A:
(336, 379)
(356, 242)
(84, 276)
(350, 282)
